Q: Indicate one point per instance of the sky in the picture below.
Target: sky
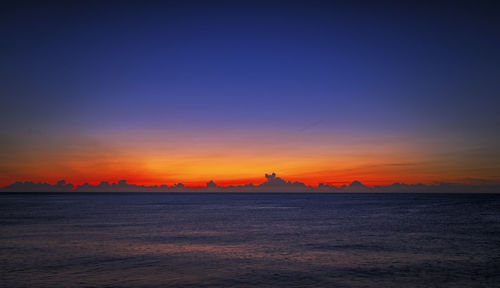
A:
(161, 92)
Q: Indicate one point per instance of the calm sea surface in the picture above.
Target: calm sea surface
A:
(249, 240)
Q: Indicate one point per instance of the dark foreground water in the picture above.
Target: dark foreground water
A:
(258, 240)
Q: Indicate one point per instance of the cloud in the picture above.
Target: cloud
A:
(211, 185)
(29, 186)
(276, 184)
(273, 183)
(311, 125)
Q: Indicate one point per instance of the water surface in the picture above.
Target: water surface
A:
(249, 240)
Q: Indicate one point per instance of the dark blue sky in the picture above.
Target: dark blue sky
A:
(423, 69)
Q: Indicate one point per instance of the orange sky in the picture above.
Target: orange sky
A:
(232, 159)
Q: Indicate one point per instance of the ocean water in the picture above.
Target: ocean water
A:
(249, 240)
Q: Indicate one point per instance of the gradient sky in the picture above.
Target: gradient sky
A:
(188, 91)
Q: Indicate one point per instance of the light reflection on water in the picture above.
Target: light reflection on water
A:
(157, 240)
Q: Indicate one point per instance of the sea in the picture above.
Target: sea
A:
(249, 240)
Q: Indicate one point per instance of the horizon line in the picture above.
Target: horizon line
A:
(273, 183)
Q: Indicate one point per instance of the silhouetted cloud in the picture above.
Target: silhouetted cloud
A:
(273, 183)
(29, 186)
(276, 184)
(211, 186)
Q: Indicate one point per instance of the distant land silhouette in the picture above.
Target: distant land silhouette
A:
(273, 183)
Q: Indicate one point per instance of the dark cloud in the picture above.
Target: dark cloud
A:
(29, 186)
(273, 183)
(211, 185)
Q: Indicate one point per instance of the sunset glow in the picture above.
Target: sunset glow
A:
(332, 96)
